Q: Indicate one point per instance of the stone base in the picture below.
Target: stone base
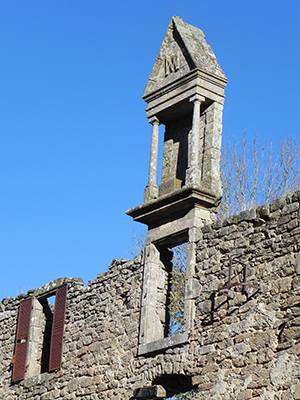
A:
(150, 193)
(193, 176)
(169, 186)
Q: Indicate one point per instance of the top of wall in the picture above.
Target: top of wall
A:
(265, 212)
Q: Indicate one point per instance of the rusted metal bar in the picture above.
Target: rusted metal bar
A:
(244, 284)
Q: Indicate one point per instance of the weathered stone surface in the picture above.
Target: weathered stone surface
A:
(151, 392)
(172, 57)
(241, 336)
(235, 335)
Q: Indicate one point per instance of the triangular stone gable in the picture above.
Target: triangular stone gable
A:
(183, 49)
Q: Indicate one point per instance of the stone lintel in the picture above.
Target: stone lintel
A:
(195, 82)
(162, 344)
(50, 288)
(150, 392)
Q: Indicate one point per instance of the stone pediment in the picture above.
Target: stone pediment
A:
(183, 49)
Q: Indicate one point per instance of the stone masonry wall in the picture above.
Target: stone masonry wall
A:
(245, 343)
(100, 339)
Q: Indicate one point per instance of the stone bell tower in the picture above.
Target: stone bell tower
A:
(185, 93)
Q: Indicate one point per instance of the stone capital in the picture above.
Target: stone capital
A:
(154, 120)
(197, 97)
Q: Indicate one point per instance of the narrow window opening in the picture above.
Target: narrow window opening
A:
(48, 308)
(39, 336)
(51, 300)
(171, 291)
(165, 309)
(163, 288)
(176, 293)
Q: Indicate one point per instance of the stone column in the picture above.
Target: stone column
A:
(193, 173)
(151, 190)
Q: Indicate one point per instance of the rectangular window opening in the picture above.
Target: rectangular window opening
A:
(176, 292)
(171, 292)
(39, 336)
(48, 309)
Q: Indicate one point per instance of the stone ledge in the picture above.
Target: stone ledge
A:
(162, 344)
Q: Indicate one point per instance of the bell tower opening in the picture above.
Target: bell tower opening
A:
(185, 94)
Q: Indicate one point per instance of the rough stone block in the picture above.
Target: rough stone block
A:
(248, 215)
(151, 392)
(277, 204)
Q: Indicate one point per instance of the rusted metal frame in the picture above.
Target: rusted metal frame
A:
(244, 284)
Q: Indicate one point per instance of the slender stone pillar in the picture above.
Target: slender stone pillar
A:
(151, 190)
(193, 173)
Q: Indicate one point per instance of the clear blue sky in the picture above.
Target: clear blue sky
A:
(74, 136)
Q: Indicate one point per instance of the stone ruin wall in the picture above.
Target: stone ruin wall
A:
(245, 343)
